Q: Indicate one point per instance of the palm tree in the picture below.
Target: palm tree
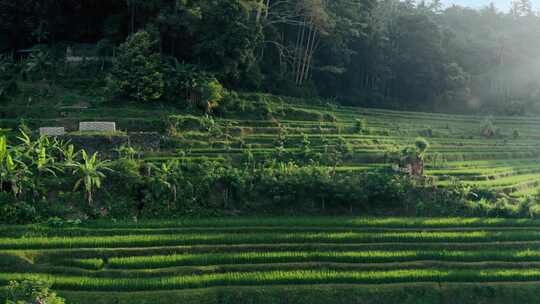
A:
(90, 173)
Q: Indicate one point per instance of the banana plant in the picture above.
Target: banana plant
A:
(69, 154)
(164, 176)
(90, 173)
(40, 154)
(13, 173)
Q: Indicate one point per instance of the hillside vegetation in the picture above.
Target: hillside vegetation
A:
(282, 128)
(277, 260)
(271, 154)
(264, 151)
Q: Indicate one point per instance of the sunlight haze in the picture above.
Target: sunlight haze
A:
(501, 4)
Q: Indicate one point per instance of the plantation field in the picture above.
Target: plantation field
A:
(281, 260)
(264, 123)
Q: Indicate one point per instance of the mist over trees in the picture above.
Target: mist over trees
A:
(383, 53)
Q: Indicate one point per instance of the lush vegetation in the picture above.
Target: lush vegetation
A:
(45, 178)
(231, 113)
(133, 262)
(28, 292)
(384, 53)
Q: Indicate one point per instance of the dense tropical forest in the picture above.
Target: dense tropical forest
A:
(387, 53)
(269, 151)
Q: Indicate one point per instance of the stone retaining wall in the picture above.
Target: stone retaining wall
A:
(145, 141)
(97, 126)
(52, 131)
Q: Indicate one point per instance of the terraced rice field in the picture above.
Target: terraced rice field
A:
(457, 147)
(281, 260)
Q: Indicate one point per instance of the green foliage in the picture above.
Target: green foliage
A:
(343, 147)
(8, 79)
(127, 151)
(39, 64)
(89, 173)
(416, 151)
(13, 211)
(192, 86)
(211, 94)
(227, 42)
(268, 259)
(180, 123)
(360, 125)
(305, 256)
(366, 51)
(488, 128)
(422, 145)
(137, 71)
(29, 292)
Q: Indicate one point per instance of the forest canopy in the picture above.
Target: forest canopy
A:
(382, 53)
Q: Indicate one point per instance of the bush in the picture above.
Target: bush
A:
(360, 125)
(17, 212)
(8, 83)
(191, 123)
(212, 93)
(421, 145)
(488, 128)
(30, 292)
(196, 88)
(137, 71)
(428, 132)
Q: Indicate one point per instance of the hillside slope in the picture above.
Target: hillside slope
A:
(272, 127)
(281, 260)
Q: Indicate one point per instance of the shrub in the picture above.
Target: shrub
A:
(488, 128)
(360, 125)
(417, 151)
(421, 145)
(294, 113)
(330, 117)
(8, 84)
(30, 292)
(191, 123)
(343, 147)
(428, 132)
(39, 64)
(17, 212)
(137, 71)
(212, 93)
(196, 88)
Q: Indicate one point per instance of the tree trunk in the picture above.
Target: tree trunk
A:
(90, 199)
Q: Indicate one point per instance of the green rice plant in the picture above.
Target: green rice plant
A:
(152, 262)
(267, 238)
(338, 221)
(294, 277)
(91, 264)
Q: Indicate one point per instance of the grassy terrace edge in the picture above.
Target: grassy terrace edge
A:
(320, 221)
(418, 293)
(289, 277)
(211, 267)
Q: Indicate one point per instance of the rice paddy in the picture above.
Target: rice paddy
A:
(507, 162)
(325, 259)
(183, 256)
